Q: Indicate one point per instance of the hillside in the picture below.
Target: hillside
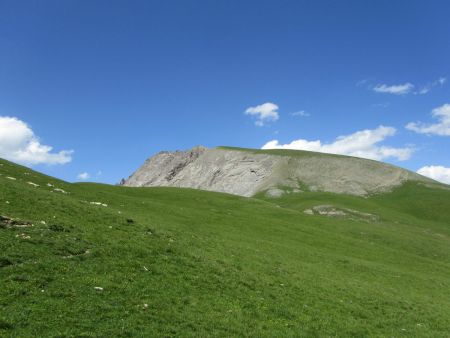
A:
(93, 260)
(246, 172)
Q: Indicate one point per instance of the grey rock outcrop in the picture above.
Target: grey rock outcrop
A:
(246, 172)
(161, 169)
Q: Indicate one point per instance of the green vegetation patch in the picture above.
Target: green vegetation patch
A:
(283, 152)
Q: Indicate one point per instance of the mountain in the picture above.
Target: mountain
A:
(246, 172)
(95, 260)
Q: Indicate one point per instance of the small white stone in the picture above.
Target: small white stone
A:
(99, 203)
(98, 288)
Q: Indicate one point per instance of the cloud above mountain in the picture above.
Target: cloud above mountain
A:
(18, 143)
(83, 176)
(441, 128)
(263, 113)
(436, 172)
(364, 143)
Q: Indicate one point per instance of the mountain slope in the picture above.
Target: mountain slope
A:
(103, 260)
(246, 172)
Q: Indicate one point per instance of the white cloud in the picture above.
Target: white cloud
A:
(400, 89)
(83, 176)
(363, 82)
(18, 143)
(436, 172)
(427, 88)
(441, 81)
(363, 143)
(263, 113)
(405, 88)
(442, 128)
(301, 113)
(424, 90)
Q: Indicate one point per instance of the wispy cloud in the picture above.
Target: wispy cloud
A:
(400, 89)
(301, 113)
(364, 82)
(381, 105)
(441, 81)
(404, 88)
(364, 143)
(427, 88)
(266, 112)
(424, 90)
(436, 172)
(442, 128)
(83, 176)
(18, 143)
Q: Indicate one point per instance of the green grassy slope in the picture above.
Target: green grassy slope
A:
(283, 152)
(181, 262)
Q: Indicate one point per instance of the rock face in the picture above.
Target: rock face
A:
(161, 169)
(246, 172)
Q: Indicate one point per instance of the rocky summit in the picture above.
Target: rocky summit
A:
(246, 172)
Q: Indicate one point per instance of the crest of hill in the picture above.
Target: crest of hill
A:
(246, 172)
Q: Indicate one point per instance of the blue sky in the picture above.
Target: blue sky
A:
(110, 83)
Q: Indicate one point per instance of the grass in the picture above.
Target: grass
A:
(283, 152)
(182, 262)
